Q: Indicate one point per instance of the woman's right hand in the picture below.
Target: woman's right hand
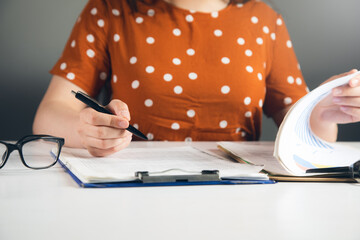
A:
(104, 134)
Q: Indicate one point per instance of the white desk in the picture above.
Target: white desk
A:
(48, 204)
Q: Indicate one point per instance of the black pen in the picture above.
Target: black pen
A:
(89, 101)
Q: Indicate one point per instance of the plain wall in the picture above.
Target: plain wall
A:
(325, 35)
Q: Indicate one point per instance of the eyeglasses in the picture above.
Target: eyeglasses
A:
(36, 151)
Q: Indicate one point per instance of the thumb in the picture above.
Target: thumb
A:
(119, 108)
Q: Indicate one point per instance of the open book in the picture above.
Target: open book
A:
(179, 161)
(297, 148)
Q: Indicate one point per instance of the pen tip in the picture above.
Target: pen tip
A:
(73, 92)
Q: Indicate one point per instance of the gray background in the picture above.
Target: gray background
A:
(325, 34)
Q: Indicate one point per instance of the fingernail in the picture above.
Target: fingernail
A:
(123, 124)
(125, 114)
(337, 91)
(354, 82)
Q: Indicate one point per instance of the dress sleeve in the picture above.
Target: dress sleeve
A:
(85, 60)
(284, 83)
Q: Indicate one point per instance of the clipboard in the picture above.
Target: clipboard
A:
(207, 177)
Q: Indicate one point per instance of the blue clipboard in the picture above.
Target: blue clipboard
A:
(139, 183)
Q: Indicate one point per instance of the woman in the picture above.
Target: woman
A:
(185, 70)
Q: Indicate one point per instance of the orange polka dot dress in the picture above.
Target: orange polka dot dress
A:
(186, 75)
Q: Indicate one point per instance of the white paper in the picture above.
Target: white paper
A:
(297, 146)
(123, 165)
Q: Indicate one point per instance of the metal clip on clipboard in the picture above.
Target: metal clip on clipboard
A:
(204, 176)
(352, 171)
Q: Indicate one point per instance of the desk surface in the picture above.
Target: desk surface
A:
(48, 204)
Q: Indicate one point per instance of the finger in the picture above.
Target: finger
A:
(104, 143)
(97, 152)
(355, 81)
(347, 101)
(102, 132)
(91, 116)
(353, 112)
(346, 91)
(119, 108)
(342, 75)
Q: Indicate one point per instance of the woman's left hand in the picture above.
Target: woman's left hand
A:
(343, 104)
(339, 107)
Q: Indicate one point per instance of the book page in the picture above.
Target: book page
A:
(258, 153)
(123, 165)
(296, 145)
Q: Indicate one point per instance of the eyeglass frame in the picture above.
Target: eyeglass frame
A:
(10, 147)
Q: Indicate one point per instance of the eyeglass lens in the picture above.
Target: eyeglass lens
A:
(37, 153)
(3, 153)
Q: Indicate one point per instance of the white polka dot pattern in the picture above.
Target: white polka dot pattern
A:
(189, 18)
(148, 103)
(259, 41)
(168, 77)
(225, 60)
(218, 33)
(241, 41)
(101, 23)
(266, 29)
(176, 61)
(90, 53)
(150, 40)
(223, 124)
(150, 136)
(225, 89)
(288, 44)
(177, 32)
(166, 63)
(70, 76)
(190, 113)
(151, 12)
(193, 76)
(116, 37)
(188, 139)
(247, 100)
(287, 100)
(175, 126)
(93, 11)
(63, 66)
(290, 79)
(90, 38)
(254, 20)
(149, 69)
(248, 52)
(273, 36)
(298, 81)
(133, 60)
(135, 84)
(178, 89)
(116, 12)
(249, 69)
(214, 14)
(139, 20)
(190, 52)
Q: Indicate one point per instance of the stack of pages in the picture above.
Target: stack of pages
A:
(123, 166)
(296, 148)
